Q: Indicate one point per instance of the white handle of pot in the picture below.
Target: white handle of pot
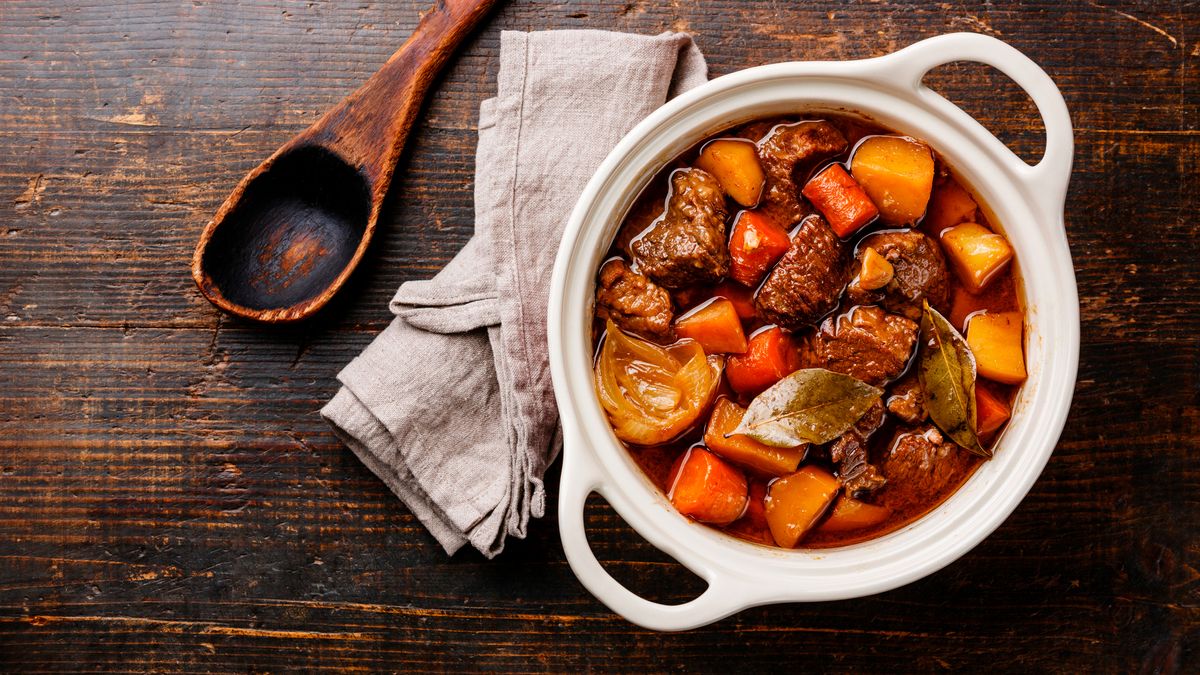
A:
(1046, 182)
(580, 478)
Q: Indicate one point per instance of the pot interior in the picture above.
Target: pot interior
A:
(966, 516)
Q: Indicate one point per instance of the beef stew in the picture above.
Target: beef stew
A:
(808, 333)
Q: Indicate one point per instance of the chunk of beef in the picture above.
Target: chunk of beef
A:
(850, 451)
(788, 153)
(866, 343)
(871, 420)
(687, 245)
(906, 399)
(920, 273)
(632, 301)
(807, 282)
(921, 466)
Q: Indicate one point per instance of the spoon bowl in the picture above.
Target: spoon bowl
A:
(291, 233)
(296, 229)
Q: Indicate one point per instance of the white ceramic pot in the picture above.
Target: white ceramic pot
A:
(1026, 200)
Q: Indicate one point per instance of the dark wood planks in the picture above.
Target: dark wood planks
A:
(169, 499)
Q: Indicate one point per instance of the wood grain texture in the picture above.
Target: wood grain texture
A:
(170, 501)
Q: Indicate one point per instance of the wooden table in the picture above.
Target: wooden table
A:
(170, 500)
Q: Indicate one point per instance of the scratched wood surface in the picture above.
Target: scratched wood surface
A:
(170, 501)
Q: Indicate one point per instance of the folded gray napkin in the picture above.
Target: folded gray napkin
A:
(452, 404)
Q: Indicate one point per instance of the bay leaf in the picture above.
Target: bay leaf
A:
(813, 405)
(946, 369)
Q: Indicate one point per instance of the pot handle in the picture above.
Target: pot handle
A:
(580, 478)
(1047, 180)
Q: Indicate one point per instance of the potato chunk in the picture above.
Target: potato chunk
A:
(977, 254)
(849, 515)
(897, 173)
(996, 340)
(795, 502)
(734, 162)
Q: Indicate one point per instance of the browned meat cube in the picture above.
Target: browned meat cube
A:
(807, 282)
(688, 244)
(789, 153)
(907, 399)
(632, 301)
(866, 343)
(859, 477)
(921, 466)
(920, 273)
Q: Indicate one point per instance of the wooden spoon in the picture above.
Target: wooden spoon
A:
(292, 231)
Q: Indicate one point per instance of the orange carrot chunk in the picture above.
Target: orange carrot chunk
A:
(794, 503)
(741, 297)
(991, 411)
(840, 198)
(715, 325)
(742, 449)
(849, 515)
(768, 359)
(707, 489)
(756, 243)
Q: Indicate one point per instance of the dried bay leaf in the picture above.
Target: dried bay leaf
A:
(813, 405)
(946, 369)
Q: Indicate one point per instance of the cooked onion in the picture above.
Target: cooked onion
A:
(652, 394)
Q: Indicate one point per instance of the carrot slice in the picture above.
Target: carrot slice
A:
(840, 198)
(756, 243)
(991, 411)
(715, 325)
(767, 360)
(794, 503)
(707, 489)
(742, 449)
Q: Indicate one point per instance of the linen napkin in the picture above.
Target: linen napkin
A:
(452, 405)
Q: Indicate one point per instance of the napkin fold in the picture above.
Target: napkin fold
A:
(452, 405)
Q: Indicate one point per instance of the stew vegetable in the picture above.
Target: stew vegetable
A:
(808, 333)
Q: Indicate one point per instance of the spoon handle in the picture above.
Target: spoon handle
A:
(369, 127)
